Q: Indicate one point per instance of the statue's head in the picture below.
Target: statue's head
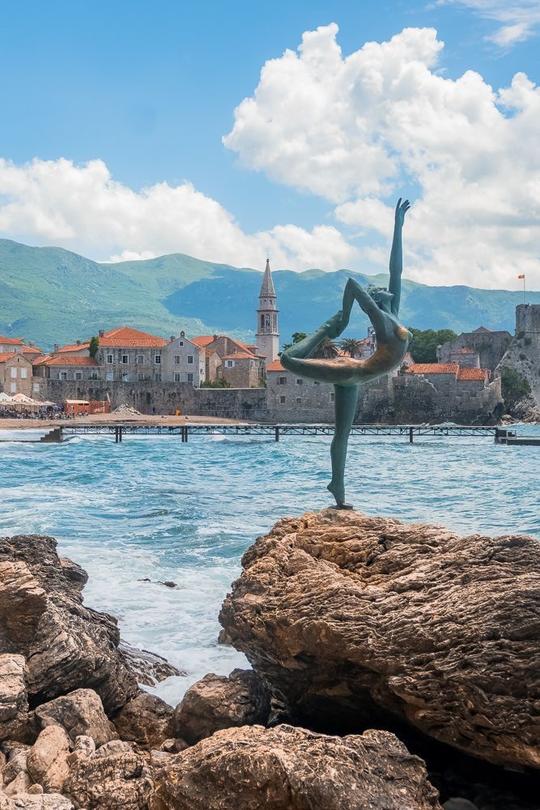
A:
(381, 296)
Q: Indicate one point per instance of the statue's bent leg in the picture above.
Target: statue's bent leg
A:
(345, 402)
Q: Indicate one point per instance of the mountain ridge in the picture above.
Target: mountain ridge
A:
(54, 295)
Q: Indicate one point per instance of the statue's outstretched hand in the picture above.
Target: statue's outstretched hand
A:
(401, 210)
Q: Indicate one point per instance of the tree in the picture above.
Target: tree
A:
(514, 387)
(327, 349)
(296, 338)
(351, 346)
(424, 343)
(93, 347)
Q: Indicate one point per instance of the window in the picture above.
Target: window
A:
(35, 388)
(332, 397)
(299, 381)
(125, 377)
(110, 358)
(229, 363)
(190, 378)
(125, 359)
(177, 376)
(63, 375)
(298, 400)
(140, 359)
(24, 373)
(282, 381)
(13, 388)
(282, 400)
(140, 377)
(316, 382)
(157, 376)
(181, 343)
(157, 359)
(78, 375)
(190, 359)
(176, 359)
(109, 376)
(13, 373)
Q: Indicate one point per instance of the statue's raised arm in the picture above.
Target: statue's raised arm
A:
(396, 255)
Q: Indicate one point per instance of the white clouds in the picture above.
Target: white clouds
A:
(361, 129)
(82, 208)
(518, 19)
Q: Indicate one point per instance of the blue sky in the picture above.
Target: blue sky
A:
(150, 89)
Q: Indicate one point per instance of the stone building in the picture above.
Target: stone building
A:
(130, 355)
(523, 353)
(183, 361)
(15, 373)
(291, 398)
(65, 366)
(489, 345)
(267, 319)
(229, 359)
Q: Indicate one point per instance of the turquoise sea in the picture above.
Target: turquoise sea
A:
(153, 508)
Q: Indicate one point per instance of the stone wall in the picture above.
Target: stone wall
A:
(523, 354)
(165, 397)
(489, 345)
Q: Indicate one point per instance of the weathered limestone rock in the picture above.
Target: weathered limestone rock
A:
(79, 713)
(348, 617)
(288, 768)
(149, 668)
(114, 776)
(66, 645)
(47, 759)
(146, 720)
(216, 702)
(29, 801)
(13, 697)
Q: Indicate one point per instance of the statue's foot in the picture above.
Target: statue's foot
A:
(335, 325)
(338, 491)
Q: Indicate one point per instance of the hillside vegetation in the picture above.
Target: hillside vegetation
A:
(53, 295)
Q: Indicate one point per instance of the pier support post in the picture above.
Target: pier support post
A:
(184, 433)
(276, 433)
(118, 434)
(411, 435)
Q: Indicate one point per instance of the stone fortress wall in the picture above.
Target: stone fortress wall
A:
(523, 353)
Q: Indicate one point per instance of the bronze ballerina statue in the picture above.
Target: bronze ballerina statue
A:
(347, 373)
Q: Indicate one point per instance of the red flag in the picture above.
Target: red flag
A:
(522, 275)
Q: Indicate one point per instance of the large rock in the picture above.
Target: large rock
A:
(288, 768)
(13, 697)
(66, 645)
(47, 759)
(216, 702)
(146, 720)
(79, 713)
(358, 619)
(114, 776)
(28, 801)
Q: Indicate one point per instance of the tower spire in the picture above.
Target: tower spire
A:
(267, 318)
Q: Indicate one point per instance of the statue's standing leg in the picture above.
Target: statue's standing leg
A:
(345, 402)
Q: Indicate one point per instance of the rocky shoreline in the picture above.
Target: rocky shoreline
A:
(395, 667)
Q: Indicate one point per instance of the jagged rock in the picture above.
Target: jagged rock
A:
(17, 757)
(352, 618)
(146, 720)
(13, 697)
(47, 759)
(149, 668)
(216, 702)
(288, 768)
(28, 801)
(79, 713)
(85, 745)
(113, 774)
(66, 645)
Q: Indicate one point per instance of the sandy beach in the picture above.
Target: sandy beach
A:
(116, 418)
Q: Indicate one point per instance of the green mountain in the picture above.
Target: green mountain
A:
(51, 295)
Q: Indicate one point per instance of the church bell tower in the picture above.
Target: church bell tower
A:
(267, 318)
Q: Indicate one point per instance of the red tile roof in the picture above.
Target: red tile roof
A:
(127, 337)
(275, 365)
(240, 356)
(473, 374)
(31, 350)
(433, 368)
(11, 341)
(203, 340)
(65, 360)
(73, 347)
(6, 356)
